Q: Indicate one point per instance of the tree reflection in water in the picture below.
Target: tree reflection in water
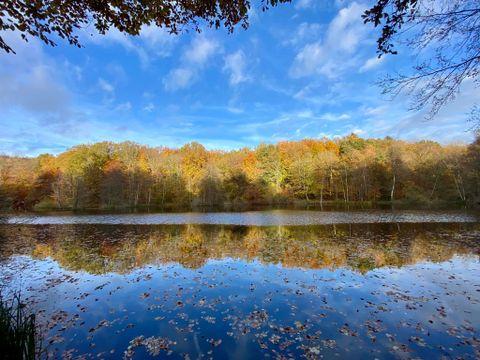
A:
(217, 291)
(99, 249)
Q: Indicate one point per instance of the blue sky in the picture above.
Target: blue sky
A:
(305, 69)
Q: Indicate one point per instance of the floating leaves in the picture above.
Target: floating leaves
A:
(377, 298)
(154, 346)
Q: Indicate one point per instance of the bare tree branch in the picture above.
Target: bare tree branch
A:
(446, 38)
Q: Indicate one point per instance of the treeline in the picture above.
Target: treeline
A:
(128, 175)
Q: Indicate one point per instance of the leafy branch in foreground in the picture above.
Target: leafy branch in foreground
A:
(18, 336)
(445, 35)
(46, 19)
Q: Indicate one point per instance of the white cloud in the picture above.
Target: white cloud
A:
(304, 4)
(75, 70)
(34, 90)
(374, 111)
(117, 72)
(304, 32)
(31, 82)
(336, 52)
(347, 28)
(194, 59)
(114, 36)
(235, 110)
(157, 37)
(308, 60)
(200, 50)
(179, 78)
(371, 63)
(305, 114)
(152, 42)
(105, 86)
(449, 125)
(36, 102)
(358, 131)
(149, 107)
(126, 106)
(235, 64)
(334, 117)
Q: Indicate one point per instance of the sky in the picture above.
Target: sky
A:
(302, 70)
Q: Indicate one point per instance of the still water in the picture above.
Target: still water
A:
(129, 286)
(261, 218)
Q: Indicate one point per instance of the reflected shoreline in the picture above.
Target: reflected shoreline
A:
(100, 249)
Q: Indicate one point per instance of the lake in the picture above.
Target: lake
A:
(275, 284)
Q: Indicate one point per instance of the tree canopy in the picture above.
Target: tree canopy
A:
(46, 19)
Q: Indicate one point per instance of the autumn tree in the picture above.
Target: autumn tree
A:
(46, 175)
(47, 19)
(272, 172)
(472, 164)
(194, 163)
(235, 187)
(113, 184)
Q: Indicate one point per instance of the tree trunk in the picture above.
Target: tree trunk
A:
(365, 191)
(343, 189)
(434, 187)
(346, 184)
(163, 192)
(392, 193)
(457, 185)
(321, 195)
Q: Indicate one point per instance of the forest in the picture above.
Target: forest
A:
(347, 170)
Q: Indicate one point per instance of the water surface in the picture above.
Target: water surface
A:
(115, 290)
(259, 218)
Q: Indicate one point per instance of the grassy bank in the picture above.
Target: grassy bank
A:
(18, 336)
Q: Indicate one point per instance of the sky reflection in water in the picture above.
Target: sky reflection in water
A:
(258, 218)
(363, 291)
